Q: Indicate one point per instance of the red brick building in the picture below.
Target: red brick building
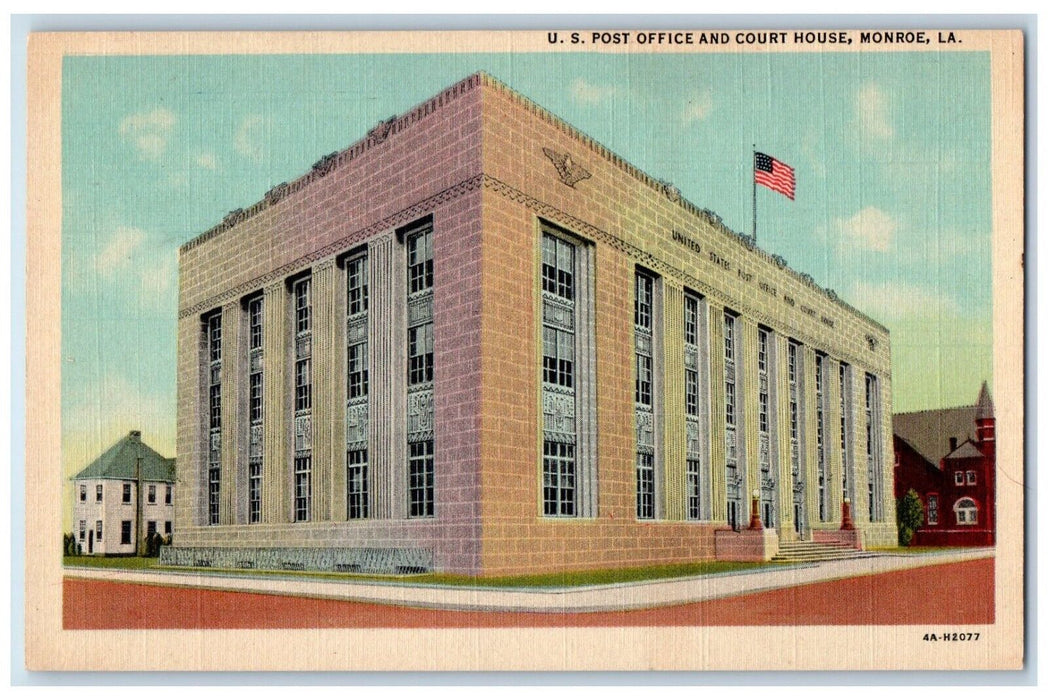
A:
(948, 457)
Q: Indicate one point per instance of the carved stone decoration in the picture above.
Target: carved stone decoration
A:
(325, 164)
(671, 191)
(256, 361)
(255, 440)
(871, 341)
(763, 451)
(558, 414)
(356, 425)
(691, 357)
(832, 294)
(729, 372)
(381, 130)
(767, 484)
(729, 444)
(277, 193)
(420, 413)
(215, 445)
(693, 440)
(303, 347)
(233, 218)
(645, 423)
(303, 433)
(568, 170)
(420, 310)
(779, 261)
(558, 315)
(642, 342)
(357, 329)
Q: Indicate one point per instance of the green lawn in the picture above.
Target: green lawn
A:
(112, 562)
(573, 578)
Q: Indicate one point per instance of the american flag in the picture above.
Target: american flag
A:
(773, 174)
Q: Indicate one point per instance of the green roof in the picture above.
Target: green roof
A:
(119, 461)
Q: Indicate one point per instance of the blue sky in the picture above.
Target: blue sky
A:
(891, 150)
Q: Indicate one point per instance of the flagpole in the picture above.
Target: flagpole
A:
(753, 176)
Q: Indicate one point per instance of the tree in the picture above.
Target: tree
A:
(909, 513)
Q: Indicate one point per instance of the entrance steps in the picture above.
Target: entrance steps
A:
(802, 551)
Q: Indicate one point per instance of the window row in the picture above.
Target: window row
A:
(126, 491)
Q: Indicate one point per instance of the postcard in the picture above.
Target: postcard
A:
(525, 350)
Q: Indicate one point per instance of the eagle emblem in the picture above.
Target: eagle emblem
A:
(568, 170)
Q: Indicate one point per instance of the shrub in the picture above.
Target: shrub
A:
(909, 514)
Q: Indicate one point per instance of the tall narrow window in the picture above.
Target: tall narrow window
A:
(213, 329)
(645, 486)
(874, 476)
(357, 387)
(820, 434)
(420, 371)
(357, 484)
(645, 413)
(559, 475)
(933, 509)
(765, 386)
(255, 386)
(301, 294)
(420, 479)
(694, 484)
(733, 476)
(558, 479)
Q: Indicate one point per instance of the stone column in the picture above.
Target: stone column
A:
(387, 397)
(747, 401)
(191, 477)
(327, 399)
(782, 464)
(831, 391)
(809, 437)
(887, 450)
(673, 487)
(276, 455)
(232, 411)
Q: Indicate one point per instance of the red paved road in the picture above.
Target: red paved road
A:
(964, 594)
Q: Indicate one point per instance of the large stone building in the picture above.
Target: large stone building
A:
(123, 498)
(478, 341)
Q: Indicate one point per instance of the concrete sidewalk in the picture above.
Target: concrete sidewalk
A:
(620, 596)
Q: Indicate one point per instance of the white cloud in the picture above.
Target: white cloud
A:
(873, 112)
(206, 161)
(894, 299)
(588, 93)
(148, 132)
(249, 139)
(698, 107)
(870, 229)
(118, 249)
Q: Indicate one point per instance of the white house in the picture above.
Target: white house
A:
(127, 479)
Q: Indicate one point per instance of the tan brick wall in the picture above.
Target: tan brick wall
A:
(631, 221)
